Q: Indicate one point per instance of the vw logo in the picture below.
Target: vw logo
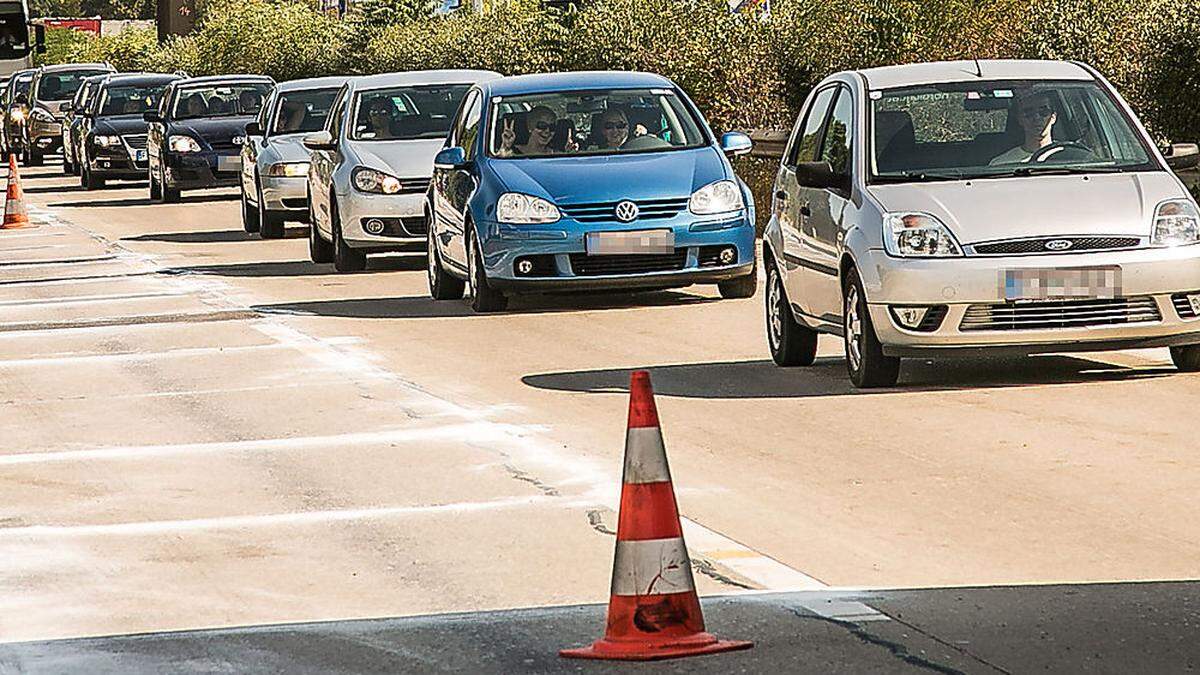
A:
(1059, 244)
(239, 140)
(626, 211)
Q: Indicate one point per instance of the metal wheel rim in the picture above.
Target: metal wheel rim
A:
(774, 311)
(854, 329)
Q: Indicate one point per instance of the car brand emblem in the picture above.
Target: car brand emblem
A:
(239, 140)
(1059, 244)
(626, 211)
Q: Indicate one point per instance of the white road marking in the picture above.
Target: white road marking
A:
(72, 359)
(90, 299)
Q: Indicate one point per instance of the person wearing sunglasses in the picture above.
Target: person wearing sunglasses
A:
(379, 119)
(541, 122)
(1036, 117)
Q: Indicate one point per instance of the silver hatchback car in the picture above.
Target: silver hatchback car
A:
(371, 165)
(959, 207)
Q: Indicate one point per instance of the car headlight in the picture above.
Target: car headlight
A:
(518, 209)
(1176, 223)
(183, 144)
(41, 115)
(107, 141)
(370, 180)
(722, 196)
(16, 115)
(288, 169)
(918, 235)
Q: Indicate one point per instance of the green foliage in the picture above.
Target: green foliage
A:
(62, 46)
(382, 13)
(131, 50)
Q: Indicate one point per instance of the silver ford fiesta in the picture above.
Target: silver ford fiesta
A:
(977, 206)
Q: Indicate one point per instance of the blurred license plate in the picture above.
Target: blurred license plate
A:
(636, 241)
(229, 163)
(1101, 283)
(139, 155)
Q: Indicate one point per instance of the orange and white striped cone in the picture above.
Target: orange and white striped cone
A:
(653, 611)
(14, 203)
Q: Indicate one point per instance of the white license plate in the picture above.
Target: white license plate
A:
(1101, 283)
(139, 155)
(635, 241)
(229, 164)
(1194, 301)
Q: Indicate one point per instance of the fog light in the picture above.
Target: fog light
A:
(374, 226)
(910, 317)
(525, 266)
(727, 255)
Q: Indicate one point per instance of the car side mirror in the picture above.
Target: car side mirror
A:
(450, 158)
(254, 129)
(1182, 156)
(152, 116)
(21, 99)
(39, 38)
(820, 176)
(736, 143)
(67, 107)
(322, 140)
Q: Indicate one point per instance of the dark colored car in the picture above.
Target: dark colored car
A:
(73, 117)
(196, 134)
(112, 134)
(16, 110)
(51, 89)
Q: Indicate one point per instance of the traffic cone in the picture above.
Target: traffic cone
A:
(14, 203)
(653, 610)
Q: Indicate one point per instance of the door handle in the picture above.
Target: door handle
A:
(781, 195)
(805, 211)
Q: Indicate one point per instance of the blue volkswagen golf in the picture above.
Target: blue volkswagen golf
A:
(586, 181)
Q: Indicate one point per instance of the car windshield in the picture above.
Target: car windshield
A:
(230, 100)
(303, 111)
(998, 129)
(405, 113)
(608, 122)
(130, 100)
(21, 84)
(62, 86)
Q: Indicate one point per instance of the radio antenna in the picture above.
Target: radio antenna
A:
(978, 68)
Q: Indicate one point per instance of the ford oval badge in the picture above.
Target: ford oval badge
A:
(1059, 244)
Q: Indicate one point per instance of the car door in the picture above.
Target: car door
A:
(455, 186)
(793, 201)
(828, 207)
(324, 163)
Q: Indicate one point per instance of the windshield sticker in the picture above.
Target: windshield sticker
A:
(1003, 93)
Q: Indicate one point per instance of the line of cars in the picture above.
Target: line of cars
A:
(925, 210)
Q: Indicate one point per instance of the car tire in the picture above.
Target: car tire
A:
(483, 297)
(270, 223)
(1186, 358)
(345, 258)
(319, 250)
(868, 366)
(170, 195)
(791, 342)
(155, 188)
(739, 287)
(67, 167)
(250, 221)
(442, 284)
(36, 158)
(90, 180)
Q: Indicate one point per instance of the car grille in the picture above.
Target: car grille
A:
(414, 186)
(224, 144)
(135, 142)
(585, 265)
(1031, 246)
(1050, 314)
(1182, 307)
(648, 209)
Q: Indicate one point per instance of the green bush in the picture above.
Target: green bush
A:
(62, 46)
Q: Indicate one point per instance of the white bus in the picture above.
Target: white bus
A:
(16, 47)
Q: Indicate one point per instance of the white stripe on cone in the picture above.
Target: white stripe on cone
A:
(652, 567)
(645, 456)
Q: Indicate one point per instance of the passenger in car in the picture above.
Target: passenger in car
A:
(379, 119)
(1036, 118)
(250, 102)
(541, 123)
(195, 106)
(292, 114)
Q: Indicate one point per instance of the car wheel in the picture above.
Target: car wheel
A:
(249, 214)
(1186, 358)
(155, 188)
(865, 360)
(170, 195)
(483, 297)
(442, 285)
(90, 180)
(791, 343)
(319, 250)
(345, 259)
(271, 224)
(739, 287)
(67, 167)
(36, 158)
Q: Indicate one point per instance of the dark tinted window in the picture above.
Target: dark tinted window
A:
(303, 111)
(62, 86)
(228, 100)
(14, 36)
(407, 112)
(132, 100)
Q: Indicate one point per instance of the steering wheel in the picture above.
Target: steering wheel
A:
(1043, 153)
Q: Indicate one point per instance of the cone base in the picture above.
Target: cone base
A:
(17, 226)
(642, 651)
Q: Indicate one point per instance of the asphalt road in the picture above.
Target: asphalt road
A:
(202, 430)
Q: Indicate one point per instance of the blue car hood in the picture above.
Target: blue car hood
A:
(573, 180)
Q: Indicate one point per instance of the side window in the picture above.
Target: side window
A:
(265, 113)
(165, 104)
(838, 144)
(804, 145)
(335, 113)
(456, 129)
(469, 132)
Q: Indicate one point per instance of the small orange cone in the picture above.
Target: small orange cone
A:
(653, 610)
(14, 203)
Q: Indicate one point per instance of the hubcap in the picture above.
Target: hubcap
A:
(774, 310)
(854, 329)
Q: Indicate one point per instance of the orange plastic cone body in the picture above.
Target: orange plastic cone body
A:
(14, 203)
(653, 611)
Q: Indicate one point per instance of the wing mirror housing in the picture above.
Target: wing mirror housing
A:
(450, 158)
(1182, 156)
(736, 143)
(254, 129)
(820, 176)
(322, 140)
(152, 116)
(67, 108)
(21, 99)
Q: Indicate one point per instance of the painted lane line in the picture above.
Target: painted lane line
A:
(81, 260)
(71, 360)
(129, 320)
(308, 383)
(38, 247)
(72, 281)
(89, 299)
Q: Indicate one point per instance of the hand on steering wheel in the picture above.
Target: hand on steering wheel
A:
(1046, 151)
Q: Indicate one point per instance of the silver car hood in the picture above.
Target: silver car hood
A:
(402, 159)
(287, 148)
(1013, 208)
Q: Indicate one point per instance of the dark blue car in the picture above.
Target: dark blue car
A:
(586, 181)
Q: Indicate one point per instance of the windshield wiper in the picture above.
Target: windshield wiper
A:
(1060, 170)
(920, 177)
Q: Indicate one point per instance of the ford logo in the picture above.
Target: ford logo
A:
(1059, 244)
(626, 211)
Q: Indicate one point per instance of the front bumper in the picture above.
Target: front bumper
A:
(195, 170)
(45, 136)
(562, 263)
(117, 162)
(1148, 275)
(286, 194)
(403, 216)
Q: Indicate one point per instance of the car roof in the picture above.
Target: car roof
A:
(915, 74)
(313, 83)
(222, 79)
(422, 77)
(139, 78)
(66, 67)
(599, 79)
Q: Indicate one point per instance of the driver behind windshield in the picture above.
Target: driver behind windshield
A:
(1036, 117)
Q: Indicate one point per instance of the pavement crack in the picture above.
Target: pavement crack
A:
(708, 569)
(596, 520)
(532, 480)
(897, 649)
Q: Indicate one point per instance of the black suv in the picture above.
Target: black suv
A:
(112, 129)
(73, 116)
(196, 134)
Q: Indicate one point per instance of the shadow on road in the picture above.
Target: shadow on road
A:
(212, 236)
(299, 268)
(827, 377)
(145, 201)
(43, 189)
